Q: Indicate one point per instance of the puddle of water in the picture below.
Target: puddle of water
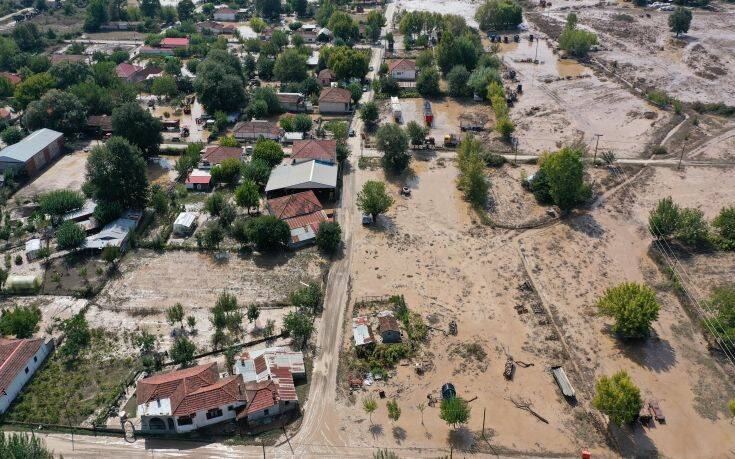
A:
(522, 53)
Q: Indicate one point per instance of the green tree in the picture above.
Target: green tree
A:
(680, 20)
(496, 15)
(302, 123)
(116, 174)
(70, 236)
(724, 225)
(394, 411)
(253, 312)
(472, 180)
(20, 322)
(23, 446)
(268, 232)
(393, 142)
(268, 8)
(32, 88)
(268, 151)
(132, 122)
(633, 306)
(722, 303)
(454, 410)
(369, 113)
(28, 37)
(299, 326)
(329, 237)
(247, 195)
(576, 41)
(664, 220)
(77, 336)
(290, 66)
(373, 198)
(618, 398)
(427, 83)
(308, 298)
(505, 127)
(67, 73)
(346, 62)
(185, 9)
(57, 110)
(344, 27)
(481, 78)
(182, 351)
(218, 82)
(416, 132)
(96, 15)
(457, 79)
(59, 202)
(164, 86)
(227, 172)
(692, 228)
(11, 135)
(731, 409)
(564, 172)
(150, 8)
(215, 203)
(256, 170)
(369, 405)
(299, 7)
(457, 50)
(175, 315)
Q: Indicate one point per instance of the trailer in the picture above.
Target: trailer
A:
(395, 106)
(428, 114)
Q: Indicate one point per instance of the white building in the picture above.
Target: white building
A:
(335, 100)
(19, 360)
(185, 223)
(33, 246)
(402, 70)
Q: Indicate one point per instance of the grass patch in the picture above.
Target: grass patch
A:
(714, 109)
(68, 391)
(623, 17)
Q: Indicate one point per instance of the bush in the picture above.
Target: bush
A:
(692, 228)
(618, 398)
(722, 303)
(634, 307)
(493, 159)
(576, 41)
(21, 322)
(268, 151)
(329, 237)
(308, 298)
(505, 127)
(664, 220)
(59, 202)
(498, 15)
(560, 178)
(268, 232)
(22, 446)
(454, 410)
(724, 224)
(70, 236)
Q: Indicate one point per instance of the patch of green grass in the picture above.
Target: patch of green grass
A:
(68, 391)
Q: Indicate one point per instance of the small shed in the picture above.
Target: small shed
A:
(361, 331)
(291, 137)
(563, 382)
(389, 330)
(185, 223)
(33, 246)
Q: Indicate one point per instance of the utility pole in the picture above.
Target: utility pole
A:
(597, 142)
(514, 145)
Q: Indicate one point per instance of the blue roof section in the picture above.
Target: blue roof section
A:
(26, 148)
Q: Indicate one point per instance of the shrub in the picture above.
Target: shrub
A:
(454, 410)
(664, 220)
(308, 298)
(268, 151)
(21, 322)
(268, 232)
(59, 202)
(618, 398)
(722, 303)
(329, 237)
(724, 224)
(576, 41)
(692, 228)
(634, 307)
(70, 236)
(561, 178)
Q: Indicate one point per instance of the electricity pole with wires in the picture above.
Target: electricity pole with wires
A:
(597, 143)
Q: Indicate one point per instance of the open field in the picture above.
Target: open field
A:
(695, 67)
(150, 282)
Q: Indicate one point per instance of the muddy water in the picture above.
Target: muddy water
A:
(548, 62)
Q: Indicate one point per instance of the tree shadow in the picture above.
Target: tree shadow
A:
(633, 441)
(587, 225)
(654, 353)
(266, 260)
(461, 438)
(376, 430)
(399, 434)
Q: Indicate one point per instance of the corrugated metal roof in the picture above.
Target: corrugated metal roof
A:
(563, 382)
(26, 148)
(185, 219)
(361, 331)
(306, 175)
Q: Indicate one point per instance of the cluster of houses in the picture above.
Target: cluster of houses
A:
(260, 389)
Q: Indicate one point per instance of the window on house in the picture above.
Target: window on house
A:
(286, 402)
(230, 408)
(184, 421)
(214, 413)
(265, 411)
(26, 370)
(35, 358)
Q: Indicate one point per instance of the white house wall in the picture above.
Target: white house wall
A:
(22, 377)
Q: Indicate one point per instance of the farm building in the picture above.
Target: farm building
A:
(388, 327)
(320, 150)
(186, 400)
(309, 175)
(19, 360)
(361, 332)
(302, 212)
(402, 69)
(135, 73)
(255, 129)
(32, 153)
(335, 100)
(185, 223)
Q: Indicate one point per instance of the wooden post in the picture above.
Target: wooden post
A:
(483, 422)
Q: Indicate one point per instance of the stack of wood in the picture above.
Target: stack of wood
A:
(510, 368)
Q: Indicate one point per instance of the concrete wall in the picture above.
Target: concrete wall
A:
(333, 107)
(199, 420)
(405, 75)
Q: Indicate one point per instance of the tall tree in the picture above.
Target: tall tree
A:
(96, 16)
(138, 126)
(680, 20)
(116, 174)
(57, 110)
(393, 142)
(373, 199)
(618, 398)
(185, 9)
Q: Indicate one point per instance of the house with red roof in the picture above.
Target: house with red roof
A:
(302, 212)
(19, 360)
(314, 149)
(186, 400)
(215, 154)
(402, 69)
(135, 73)
(335, 100)
(14, 78)
(173, 42)
(199, 180)
(225, 14)
(326, 77)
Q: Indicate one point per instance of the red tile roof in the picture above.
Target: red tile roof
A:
(326, 74)
(284, 379)
(294, 205)
(165, 384)
(222, 392)
(402, 64)
(338, 95)
(259, 397)
(199, 179)
(14, 356)
(322, 150)
(125, 70)
(217, 153)
(257, 127)
(13, 77)
(260, 365)
(313, 220)
(103, 122)
(171, 42)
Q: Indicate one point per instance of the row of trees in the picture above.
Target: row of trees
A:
(688, 226)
